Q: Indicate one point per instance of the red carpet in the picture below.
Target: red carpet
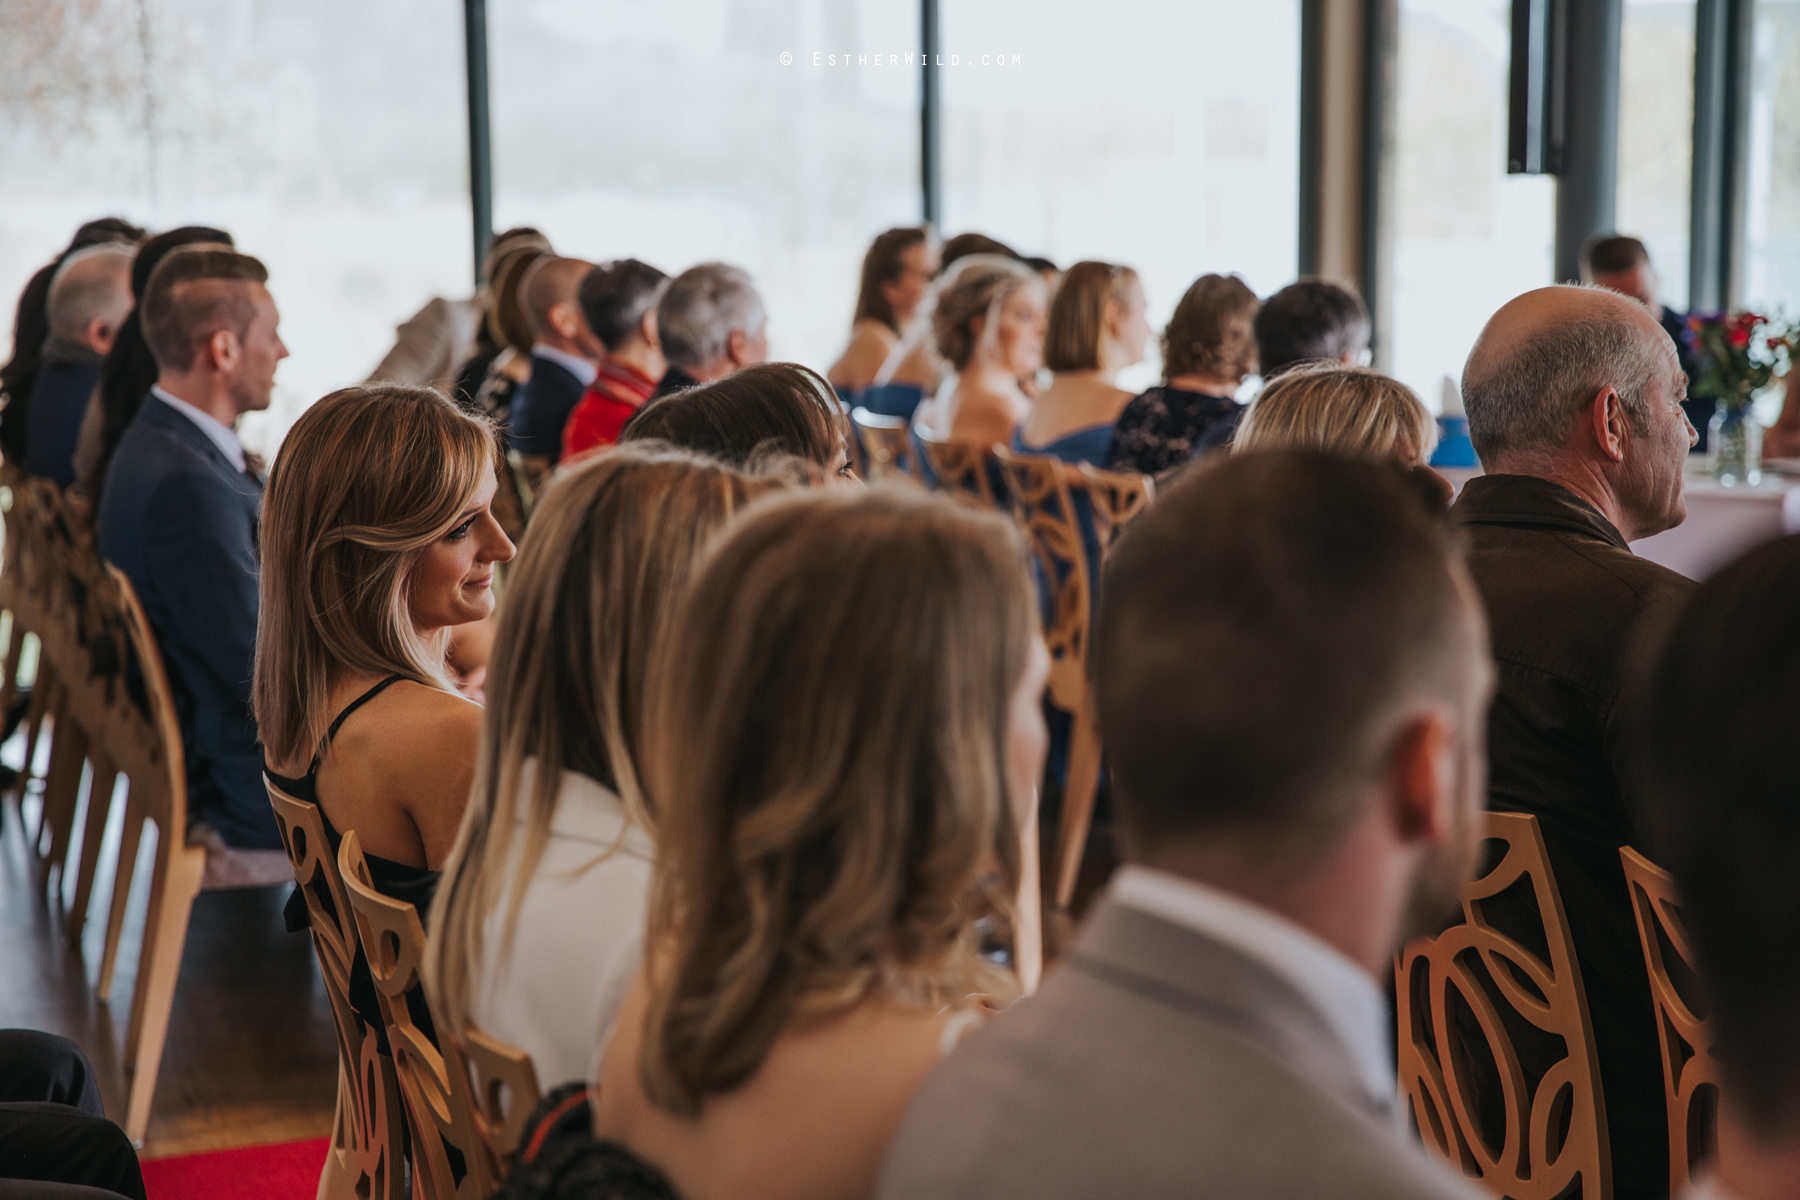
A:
(282, 1171)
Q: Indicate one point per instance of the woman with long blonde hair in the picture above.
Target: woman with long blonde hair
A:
(377, 539)
(540, 918)
(829, 804)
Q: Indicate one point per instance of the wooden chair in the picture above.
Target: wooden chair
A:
(1069, 542)
(1691, 1069)
(449, 1127)
(1479, 981)
(887, 453)
(364, 1160)
(966, 470)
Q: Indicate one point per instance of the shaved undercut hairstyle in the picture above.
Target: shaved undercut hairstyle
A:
(192, 295)
(1265, 629)
(1523, 396)
(553, 281)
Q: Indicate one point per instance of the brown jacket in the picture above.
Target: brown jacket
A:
(1568, 608)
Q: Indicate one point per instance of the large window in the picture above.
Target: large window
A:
(1163, 134)
(327, 137)
(779, 135)
(1656, 146)
(1465, 236)
(1772, 250)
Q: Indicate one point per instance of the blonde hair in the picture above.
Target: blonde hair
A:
(365, 482)
(1078, 314)
(613, 544)
(976, 286)
(827, 800)
(1348, 410)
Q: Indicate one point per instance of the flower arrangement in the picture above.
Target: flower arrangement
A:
(1737, 354)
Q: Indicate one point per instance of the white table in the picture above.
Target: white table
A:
(1722, 522)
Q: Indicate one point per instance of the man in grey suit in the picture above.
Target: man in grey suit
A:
(1292, 678)
(179, 516)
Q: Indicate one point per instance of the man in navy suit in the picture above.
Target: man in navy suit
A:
(179, 516)
(89, 300)
(565, 357)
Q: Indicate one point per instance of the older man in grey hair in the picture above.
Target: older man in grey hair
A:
(1574, 400)
(90, 298)
(711, 321)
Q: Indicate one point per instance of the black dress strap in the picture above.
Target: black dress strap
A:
(349, 708)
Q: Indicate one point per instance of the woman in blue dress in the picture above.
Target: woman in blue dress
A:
(1097, 329)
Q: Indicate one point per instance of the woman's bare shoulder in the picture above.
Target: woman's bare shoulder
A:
(870, 344)
(418, 733)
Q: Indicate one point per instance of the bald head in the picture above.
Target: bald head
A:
(555, 281)
(91, 296)
(1545, 356)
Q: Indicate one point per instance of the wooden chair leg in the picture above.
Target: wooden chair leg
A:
(337, 1179)
(100, 802)
(159, 964)
(34, 726)
(1078, 801)
(15, 648)
(62, 784)
(123, 874)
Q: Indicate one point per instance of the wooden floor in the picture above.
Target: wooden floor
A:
(250, 1058)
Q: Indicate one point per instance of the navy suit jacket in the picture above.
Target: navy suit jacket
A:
(181, 521)
(59, 400)
(542, 407)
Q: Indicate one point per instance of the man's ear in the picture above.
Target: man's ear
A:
(1421, 779)
(1606, 419)
(737, 347)
(648, 330)
(565, 320)
(224, 350)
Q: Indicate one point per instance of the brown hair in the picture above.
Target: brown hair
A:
(769, 408)
(1346, 410)
(614, 543)
(1266, 623)
(508, 321)
(367, 479)
(980, 286)
(1212, 331)
(1078, 314)
(827, 801)
(1608, 253)
(882, 265)
(193, 294)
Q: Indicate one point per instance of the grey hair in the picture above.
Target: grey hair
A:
(1525, 400)
(701, 309)
(80, 294)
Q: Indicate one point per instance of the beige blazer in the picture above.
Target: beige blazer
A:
(1155, 1062)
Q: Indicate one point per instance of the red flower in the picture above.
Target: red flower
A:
(1740, 338)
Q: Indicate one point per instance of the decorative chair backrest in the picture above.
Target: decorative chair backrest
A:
(1072, 515)
(967, 470)
(506, 1090)
(447, 1129)
(886, 449)
(1496, 1050)
(1691, 1070)
(368, 1137)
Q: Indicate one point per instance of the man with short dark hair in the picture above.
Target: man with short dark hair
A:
(1292, 678)
(1724, 702)
(1311, 320)
(1574, 403)
(1623, 264)
(179, 513)
(564, 357)
(619, 300)
(90, 297)
(711, 321)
